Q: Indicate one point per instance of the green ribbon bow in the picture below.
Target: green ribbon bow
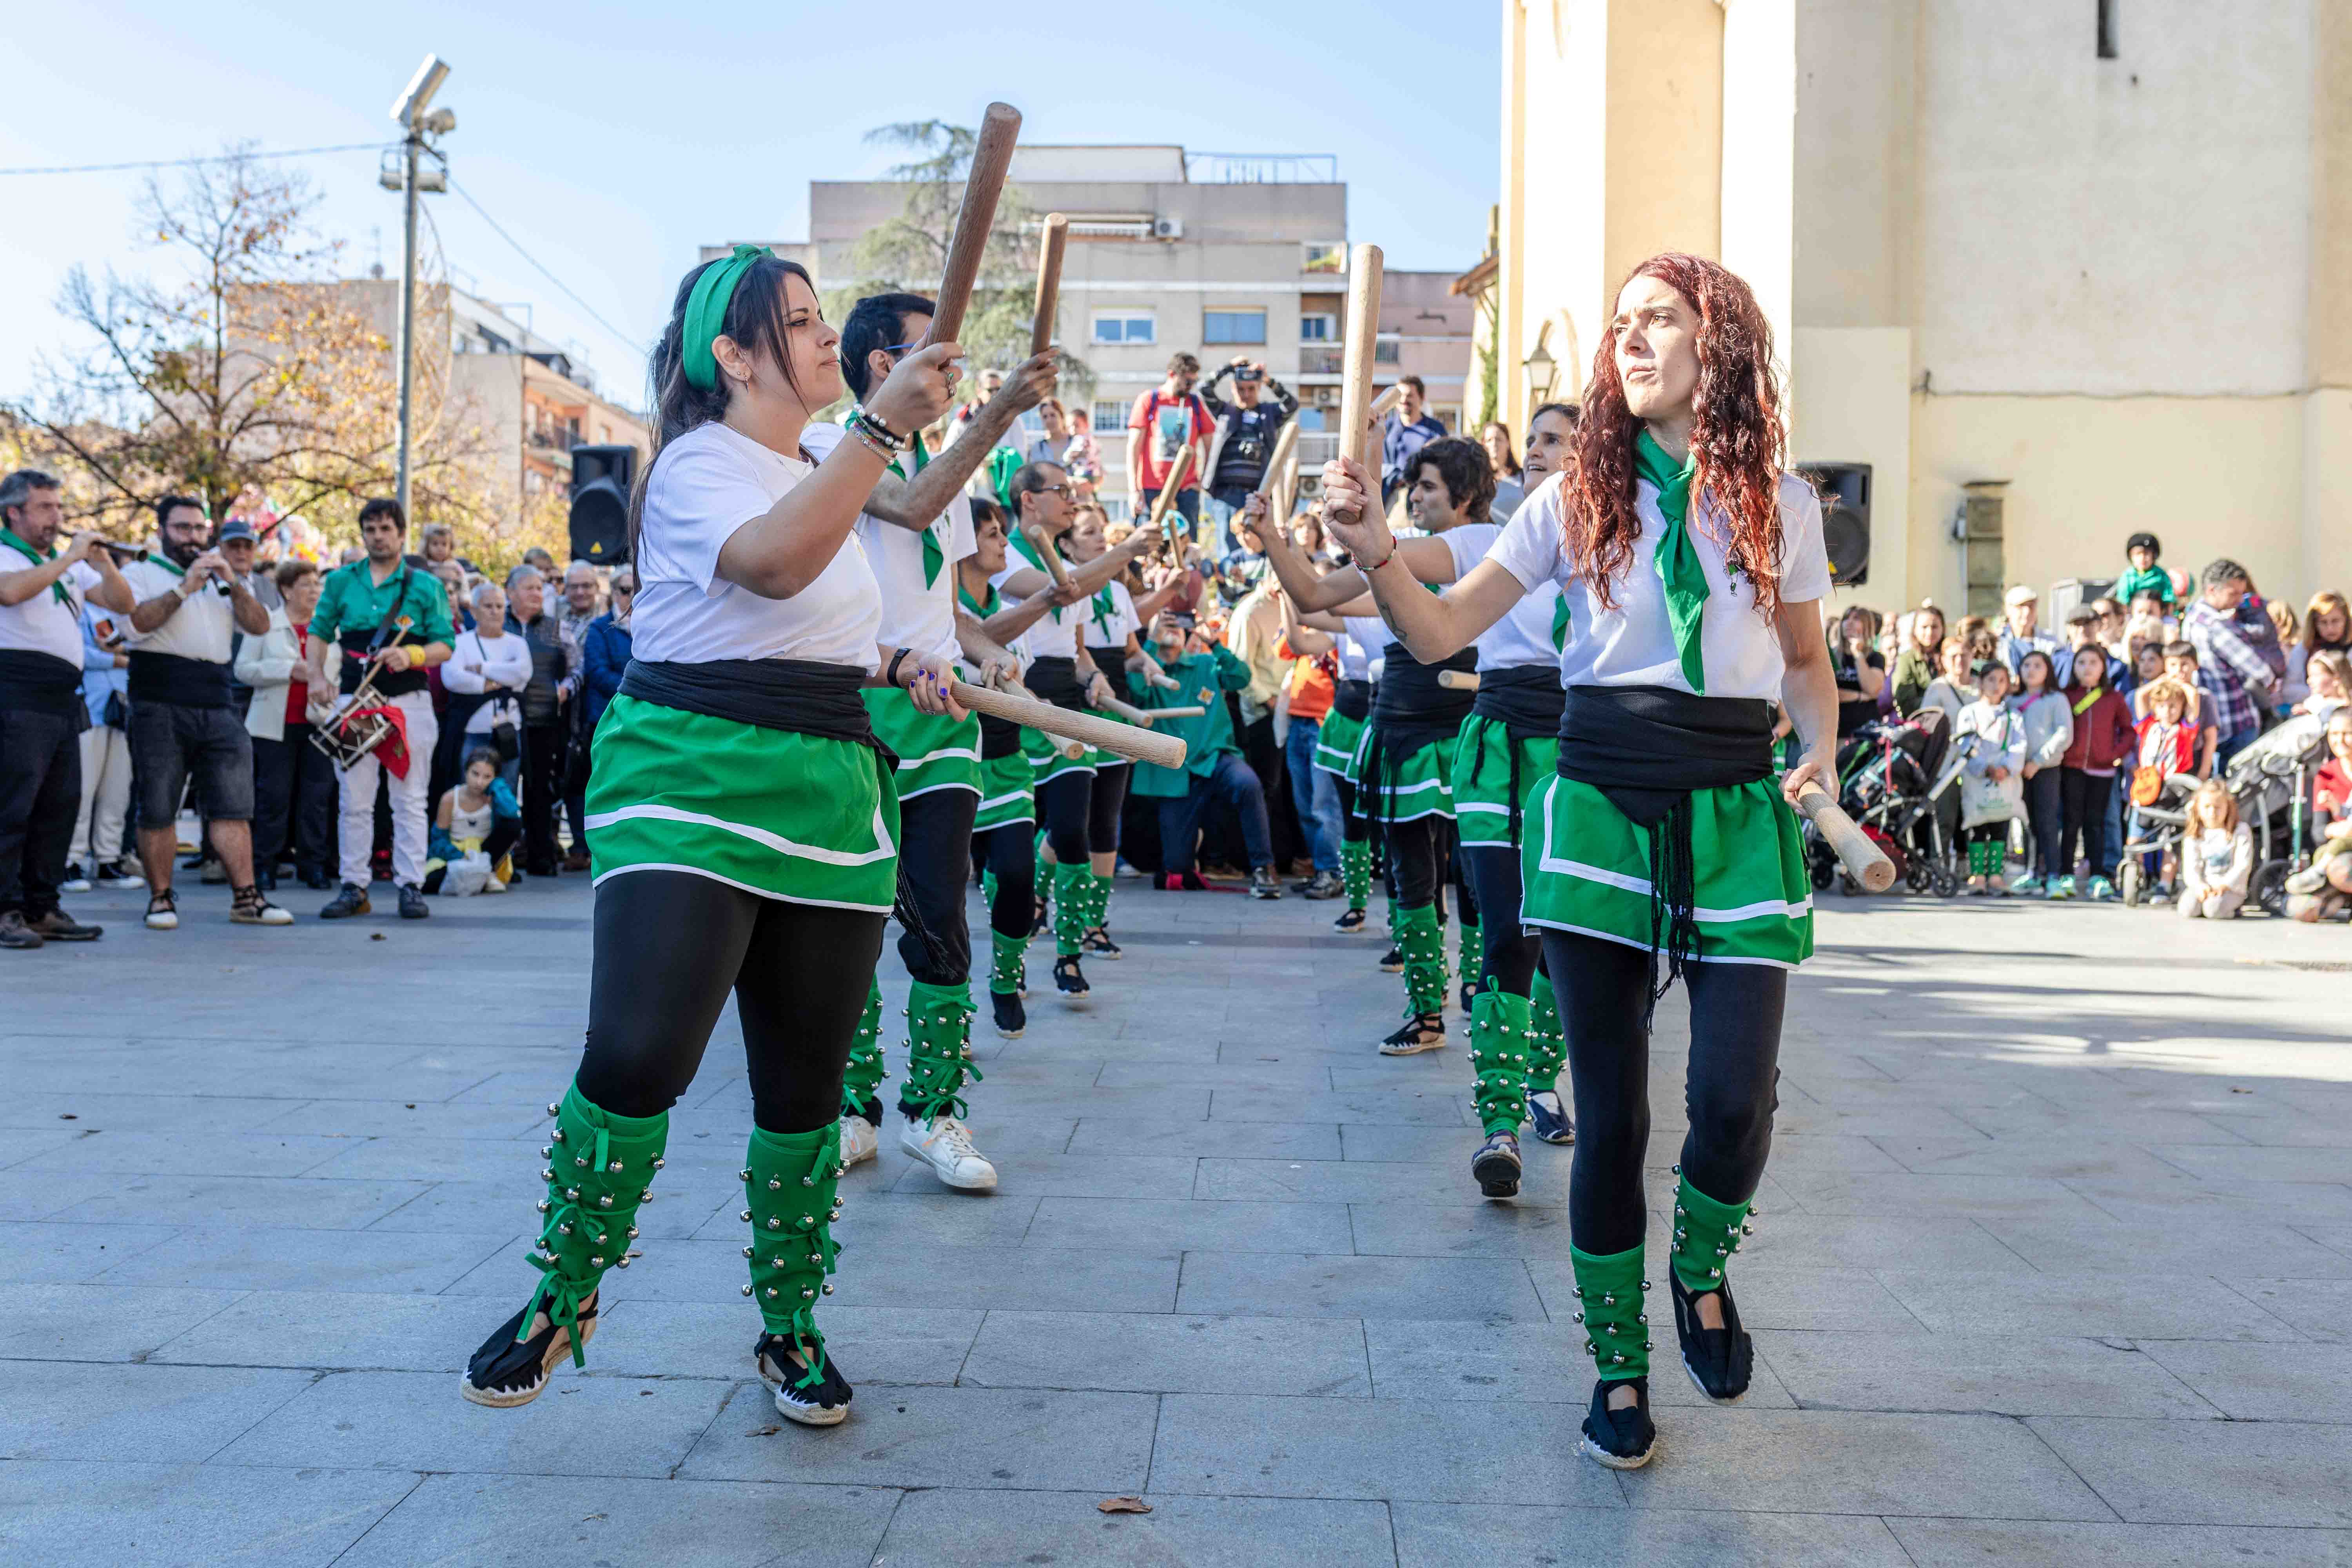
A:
(1104, 609)
(706, 313)
(1559, 622)
(1677, 558)
(57, 586)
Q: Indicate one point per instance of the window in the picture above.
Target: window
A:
(1385, 349)
(1323, 258)
(1232, 326)
(1110, 416)
(1318, 328)
(2107, 49)
(1125, 327)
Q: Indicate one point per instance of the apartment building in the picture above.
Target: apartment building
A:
(1221, 255)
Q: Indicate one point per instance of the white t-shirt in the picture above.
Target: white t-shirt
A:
(1634, 645)
(706, 484)
(41, 624)
(1055, 635)
(201, 627)
(1111, 630)
(1360, 644)
(1524, 635)
(913, 614)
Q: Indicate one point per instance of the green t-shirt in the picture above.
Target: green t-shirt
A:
(353, 601)
(1201, 680)
(2155, 579)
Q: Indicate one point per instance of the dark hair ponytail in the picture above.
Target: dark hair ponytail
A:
(754, 321)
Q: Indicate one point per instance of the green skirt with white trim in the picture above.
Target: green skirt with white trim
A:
(1586, 868)
(802, 819)
(1482, 778)
(1006, 794)
(935, 752)
(1050, 758)
(1418, 784)
(1335, 744)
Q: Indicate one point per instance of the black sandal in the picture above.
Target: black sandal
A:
(1721, 1361)
(507, 1371)
(1068, 978)
(1422, 1032)
(1622, 1439)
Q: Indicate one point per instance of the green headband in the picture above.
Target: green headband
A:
(706, 313)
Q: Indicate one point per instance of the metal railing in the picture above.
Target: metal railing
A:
(1262, 168)
(1322, 359)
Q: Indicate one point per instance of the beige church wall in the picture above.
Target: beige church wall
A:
(1851, 403)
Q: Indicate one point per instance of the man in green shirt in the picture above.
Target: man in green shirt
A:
(384, 612)
(1213, 770)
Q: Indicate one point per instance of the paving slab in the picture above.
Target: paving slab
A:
(100, 1323)
(1461, 1535)
(1967, 1374)
(958, 1528)
(2209, 1472)
(1163, 1352)
(68, 1410)
(1969, 1543)
(1240, 1283)
(82, 1514)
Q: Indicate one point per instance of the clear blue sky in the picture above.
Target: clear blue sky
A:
(611, 142)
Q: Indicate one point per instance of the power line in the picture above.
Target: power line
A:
(194, 162)
(551, 278)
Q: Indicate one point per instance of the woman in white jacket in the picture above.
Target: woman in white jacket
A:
(293, 782)
(492, 662)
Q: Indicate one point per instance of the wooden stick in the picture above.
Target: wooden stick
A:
(1286, 449)
(1165, 501)
(1035, 534)
(1384, 404)
(1863, 860)
(1363, 328)
(1135, 715)
(1049, 283)
(991, 155)
(1130, 740)
(1458, 680)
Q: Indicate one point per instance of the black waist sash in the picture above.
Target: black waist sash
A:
(1646, 748)
(1526, 698)
(177, 679)
(358, 646)
(35, 682)
(1055, 679)
(1352, 699)
(1411, 709)
(799, 696)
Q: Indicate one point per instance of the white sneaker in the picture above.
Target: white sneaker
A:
(945, 1145)
(857, 1139)
(76, 881)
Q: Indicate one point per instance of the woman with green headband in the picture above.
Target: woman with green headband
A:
(1692, 566)
(742, 820)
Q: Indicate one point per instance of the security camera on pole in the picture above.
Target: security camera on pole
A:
(420, 124)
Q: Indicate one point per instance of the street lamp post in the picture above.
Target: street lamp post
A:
(410, 112)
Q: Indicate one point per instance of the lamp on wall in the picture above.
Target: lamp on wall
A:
(1542, 370)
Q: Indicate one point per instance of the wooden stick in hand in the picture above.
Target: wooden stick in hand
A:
(1363, 328)
(1130, 740)
(1458, 680)
(1049, 283)
(1135, 715)
(1863, 860)
(1035, 534)
(1165, 501)
(992, 156)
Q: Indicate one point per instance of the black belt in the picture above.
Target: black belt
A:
(1646, 748)
(1352, 699)
(1411, 709)
(35, 682)
(999, 737)
(1526, 698)
(796, 695)
(176, 679)
(1055, 679)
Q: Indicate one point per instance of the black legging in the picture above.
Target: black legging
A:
(1417, 859)
(1103, 808)
(1353, 829)
(2042, 820)
(934, 851)
(1010, 852)
(1729, 1093)
(671, 946)
(2083, 812)
(1066, 803)
(1507, 955)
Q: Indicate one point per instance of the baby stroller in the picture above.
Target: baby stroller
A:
(2154, 833)
(2271, 782)
(1892, 772)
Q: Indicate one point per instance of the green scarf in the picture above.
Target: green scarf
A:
(1105, 607)
(1019, 543)
(1678, 560)
(935, 555)
(983, 609)
(57, 586)
(1559, 622)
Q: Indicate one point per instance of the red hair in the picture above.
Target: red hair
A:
(1737, 434)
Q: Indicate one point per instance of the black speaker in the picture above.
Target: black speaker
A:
(1845, 490)
(601, 477)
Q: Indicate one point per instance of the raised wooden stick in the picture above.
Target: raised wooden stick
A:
(991, 155)
(1285, 448)
(1049, 282)
(1363, 328)
(1165, 501)
(1035, 534)
(1458, 680)
(1863, 860)
(1130, 740)
(1135, 715)
(1384, 404)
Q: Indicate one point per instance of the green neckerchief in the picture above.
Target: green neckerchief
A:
(1003, 462)
(1020, 542)
(160, 559)
(1559, 622)
(1105, 607)
(935, 555)
(1678, 560)
(56, 586)
(983, 609)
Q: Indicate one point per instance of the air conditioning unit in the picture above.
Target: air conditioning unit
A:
(1167, 229)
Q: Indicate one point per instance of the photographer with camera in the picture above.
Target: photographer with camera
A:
(184, 721)
(1243, 443)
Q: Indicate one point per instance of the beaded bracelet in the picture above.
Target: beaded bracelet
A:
(858, 432)
(859, 419)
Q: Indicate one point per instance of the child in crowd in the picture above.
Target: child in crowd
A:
(475, 827)
(2101, 739)
(1991, 786)
(2217, 856)
(2145, 575)
(2329, 674)
(2180, 665)
(2049, 731)
(2324, 888)
(2167, 742)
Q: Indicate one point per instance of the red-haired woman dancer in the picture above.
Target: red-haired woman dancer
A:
(1692, 564)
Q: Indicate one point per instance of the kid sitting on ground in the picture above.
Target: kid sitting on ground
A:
(2217, 856)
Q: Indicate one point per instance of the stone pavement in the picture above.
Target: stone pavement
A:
(2055, 1266)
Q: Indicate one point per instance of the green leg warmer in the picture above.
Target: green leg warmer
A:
(1424, 946)
(1356, 871)
(1616, 1329)
(600, 1168)
(1072, 886)
(789, 1184)
(939, 1050)
(863, 1077)
(1498, 1050)
(988, 889)
(1472, 966)
(1546, 1045)
(1008, 971)
(1706, 1233)
(1098, 909)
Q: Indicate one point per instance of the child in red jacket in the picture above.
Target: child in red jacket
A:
(2105, 739)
